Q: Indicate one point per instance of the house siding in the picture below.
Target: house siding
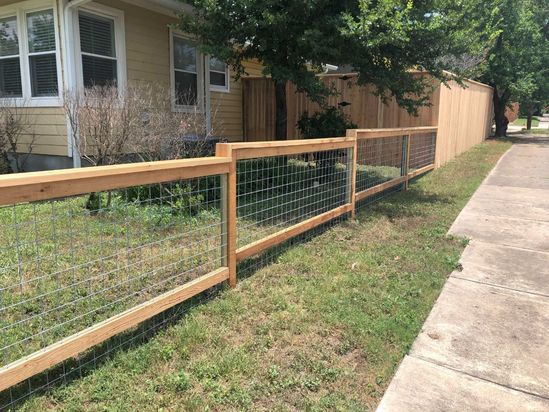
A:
(147, 38)
(47, 125)
(148, 60)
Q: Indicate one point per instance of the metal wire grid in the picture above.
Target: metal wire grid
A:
(70, 263)
(79, 367)
(277, 192)
(379, 160)
(422, 150)
(363, 204)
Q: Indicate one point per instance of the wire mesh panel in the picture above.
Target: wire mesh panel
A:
(422, 150)
(379, 160)
(274, 193)
(70, 263)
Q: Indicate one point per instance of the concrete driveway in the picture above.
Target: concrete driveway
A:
(485, 344)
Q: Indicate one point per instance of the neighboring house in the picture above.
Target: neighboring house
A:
(47, 46)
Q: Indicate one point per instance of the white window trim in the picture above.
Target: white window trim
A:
(20, 10)
(117, 16)
(199, 74)
(221, 89)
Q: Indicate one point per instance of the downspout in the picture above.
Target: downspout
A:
(70, 82)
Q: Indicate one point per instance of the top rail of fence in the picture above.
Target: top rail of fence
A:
(250, 150)
(35, 186)
(400, 131)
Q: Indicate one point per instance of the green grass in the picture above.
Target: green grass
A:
(322, 328)
(537, 132)
(521, 121)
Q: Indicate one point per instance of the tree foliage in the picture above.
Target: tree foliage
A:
(383, 40)
(517, 61)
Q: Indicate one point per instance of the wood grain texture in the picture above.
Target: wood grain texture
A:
(252, 150)
(397, 131)
(420, 171)
(380, 188)
(225, 150)
(27, 187)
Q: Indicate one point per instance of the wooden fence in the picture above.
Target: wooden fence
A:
(464, 115)
(266, 193)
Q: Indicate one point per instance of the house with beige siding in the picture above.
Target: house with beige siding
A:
(47, 46)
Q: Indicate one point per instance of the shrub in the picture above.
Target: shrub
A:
(328, 123)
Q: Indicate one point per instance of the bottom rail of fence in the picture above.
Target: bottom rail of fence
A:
(40, 361)
(287, 233)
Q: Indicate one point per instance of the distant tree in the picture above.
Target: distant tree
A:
(382, 40)
(533, 93)
(517, 61)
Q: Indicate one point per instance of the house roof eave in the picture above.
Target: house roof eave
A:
(167, 7)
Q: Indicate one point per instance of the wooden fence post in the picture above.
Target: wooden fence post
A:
(228, 210)
(408, 140)
(352, 184)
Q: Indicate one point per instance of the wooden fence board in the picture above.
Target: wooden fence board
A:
(464, 115)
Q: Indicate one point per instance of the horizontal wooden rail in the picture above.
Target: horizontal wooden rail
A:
(378, 133)
(69, 347)
(380, 188)
(288, 147)
(289, 232)
(28, 187)
(420, 171)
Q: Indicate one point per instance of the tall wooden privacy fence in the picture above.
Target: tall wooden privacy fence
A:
(87, 254)
(463, 115)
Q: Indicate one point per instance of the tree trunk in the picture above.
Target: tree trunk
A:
(529, 121)
(281, 117)
(499, 113)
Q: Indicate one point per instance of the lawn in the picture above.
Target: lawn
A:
(521, 121)
(321, 328)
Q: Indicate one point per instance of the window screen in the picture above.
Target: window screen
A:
(97, 45)
(10, 69)
(186, 75)
(42, 54)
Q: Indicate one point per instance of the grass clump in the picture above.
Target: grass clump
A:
(322, 328)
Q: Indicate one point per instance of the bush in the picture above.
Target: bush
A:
(329, 123)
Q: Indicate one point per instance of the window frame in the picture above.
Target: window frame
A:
(15, 56)
(105, 12)
(20, 11)
(199, 77)
(216, 88)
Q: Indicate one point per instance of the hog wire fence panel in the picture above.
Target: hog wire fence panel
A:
(380, 160)
(285, 189)
(75, 263)
(422, 150)
(274, 193)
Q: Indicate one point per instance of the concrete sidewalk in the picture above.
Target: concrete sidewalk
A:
(485, 344)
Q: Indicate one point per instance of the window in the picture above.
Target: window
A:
(219, 75)
(10, 67)
(100, 47)
(29, 59)
(186, 73)
(97, 45)
(42, 54)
